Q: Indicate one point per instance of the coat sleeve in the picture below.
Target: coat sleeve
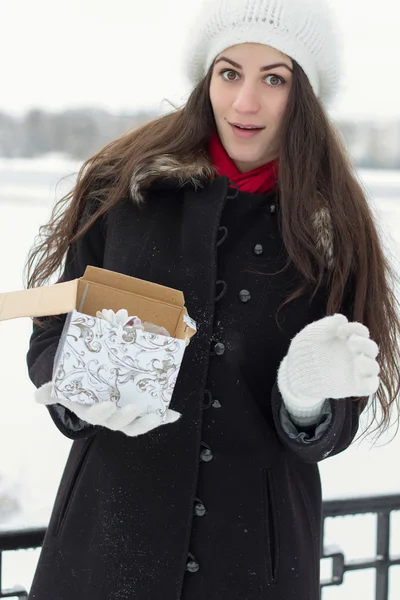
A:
(333, 433)
(337, 425)
(88, 250)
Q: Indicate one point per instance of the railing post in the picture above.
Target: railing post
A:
(382, 555)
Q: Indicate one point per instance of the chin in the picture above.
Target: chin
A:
(245, 157)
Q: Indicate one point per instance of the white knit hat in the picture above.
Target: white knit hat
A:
(305, 30)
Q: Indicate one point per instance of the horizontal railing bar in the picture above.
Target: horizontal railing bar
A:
(15, 592)
(22, 539)
(354, 565)
(351, 506)
(329, 582)
(365, 563)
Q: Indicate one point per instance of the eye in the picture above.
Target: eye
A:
(282, 81)
(276, 77)
(222, 73)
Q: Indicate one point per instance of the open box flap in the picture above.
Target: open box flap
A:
(99, 289)
(133, 285)
(42, 301)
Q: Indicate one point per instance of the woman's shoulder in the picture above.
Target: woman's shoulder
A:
(150, 188)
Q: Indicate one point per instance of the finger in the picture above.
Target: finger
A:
(122, 417)
(142, 425)
(345, 331)
(42, 394)
(368, 385)
(148, 422)
(361, 345)
(365, 366)
(333, 322)
(94, 414)
(101, 411)
(325, 327)
(172, 416)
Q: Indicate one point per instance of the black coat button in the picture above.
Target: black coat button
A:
(192, 565)
(210, 401)
(199, 508)
(258, 249)
(244, 295)
(272, 208)
(219, 348)
(206, 454)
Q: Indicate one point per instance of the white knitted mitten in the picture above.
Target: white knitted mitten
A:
(107, 414)
(329, 358)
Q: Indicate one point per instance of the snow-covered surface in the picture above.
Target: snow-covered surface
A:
(34, 452)
(53, 162)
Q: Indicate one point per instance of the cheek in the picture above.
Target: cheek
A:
(218, 98)
(277, 109)
(213, 93)
(280, 110)
(282, 104)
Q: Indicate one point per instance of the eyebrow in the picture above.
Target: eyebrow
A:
(267, 68)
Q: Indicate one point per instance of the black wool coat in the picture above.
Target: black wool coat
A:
(223, 504)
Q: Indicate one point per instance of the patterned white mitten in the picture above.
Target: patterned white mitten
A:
(329, 358)
(107, 414)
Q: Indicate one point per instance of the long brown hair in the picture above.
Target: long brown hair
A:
(314, 167)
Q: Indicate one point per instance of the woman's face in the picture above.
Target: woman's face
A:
(248, 88)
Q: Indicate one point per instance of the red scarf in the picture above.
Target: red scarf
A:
(258, 181)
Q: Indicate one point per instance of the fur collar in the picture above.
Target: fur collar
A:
(194, 171)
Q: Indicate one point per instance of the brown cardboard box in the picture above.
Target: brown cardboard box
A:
(96, 360)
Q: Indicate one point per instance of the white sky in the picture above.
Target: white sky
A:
(124, 54)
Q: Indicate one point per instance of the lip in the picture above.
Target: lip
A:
(245, 133)
(247, 125)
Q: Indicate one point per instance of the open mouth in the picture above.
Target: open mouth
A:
(243, 132)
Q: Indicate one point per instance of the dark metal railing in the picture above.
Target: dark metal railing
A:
(21, 539)
(382, 506)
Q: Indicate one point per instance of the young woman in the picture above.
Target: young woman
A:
(244, 199)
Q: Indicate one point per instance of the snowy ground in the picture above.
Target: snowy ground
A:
(31, 468)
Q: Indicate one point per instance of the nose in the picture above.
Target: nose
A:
(247, 100)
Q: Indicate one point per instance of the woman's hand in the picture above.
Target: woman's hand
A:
(329, 358)
(107, 414)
